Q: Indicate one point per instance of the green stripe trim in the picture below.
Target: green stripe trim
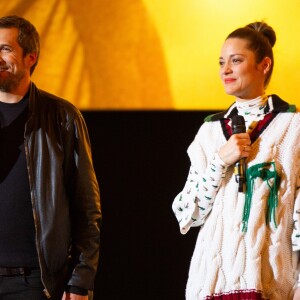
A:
(292, 108)
(208, 118)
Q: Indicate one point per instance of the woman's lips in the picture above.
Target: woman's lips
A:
(229, 80)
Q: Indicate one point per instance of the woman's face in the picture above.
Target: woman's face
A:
(241, 75)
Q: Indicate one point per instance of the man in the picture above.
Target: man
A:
(50, 206)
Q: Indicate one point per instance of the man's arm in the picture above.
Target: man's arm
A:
(84, 203)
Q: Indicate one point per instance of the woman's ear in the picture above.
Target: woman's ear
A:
(266, 64)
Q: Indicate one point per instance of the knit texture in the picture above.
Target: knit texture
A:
(225, 258)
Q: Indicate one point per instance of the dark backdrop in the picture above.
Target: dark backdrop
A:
(141, 164)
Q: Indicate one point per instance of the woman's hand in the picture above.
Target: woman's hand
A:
(237, 147)
(297, 294)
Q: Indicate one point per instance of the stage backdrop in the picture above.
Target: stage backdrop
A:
(141, 54)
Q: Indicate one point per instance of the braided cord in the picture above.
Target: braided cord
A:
(264, 172)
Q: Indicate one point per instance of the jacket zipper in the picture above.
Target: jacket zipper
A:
(47, 294)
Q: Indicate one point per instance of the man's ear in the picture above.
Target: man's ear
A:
(31, 59)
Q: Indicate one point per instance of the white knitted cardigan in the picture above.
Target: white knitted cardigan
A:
(225, 258)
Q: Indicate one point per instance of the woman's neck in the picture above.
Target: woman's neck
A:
(251, 105)
(252, 110)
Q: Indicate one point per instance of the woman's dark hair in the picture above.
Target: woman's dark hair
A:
(28, 38)
(261, 39)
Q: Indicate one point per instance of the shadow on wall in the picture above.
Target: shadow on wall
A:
(99, 54)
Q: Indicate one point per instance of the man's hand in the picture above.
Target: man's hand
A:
(70, 296)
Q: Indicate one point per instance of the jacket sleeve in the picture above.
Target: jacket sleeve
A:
(84, 204)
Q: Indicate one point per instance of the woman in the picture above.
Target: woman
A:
(248, 239)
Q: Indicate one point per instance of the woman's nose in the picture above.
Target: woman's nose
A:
(226, 68)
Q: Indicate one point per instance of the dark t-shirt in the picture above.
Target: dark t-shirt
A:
(17, 232)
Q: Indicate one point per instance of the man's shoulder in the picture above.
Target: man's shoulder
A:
(52, 99)
(50, 102)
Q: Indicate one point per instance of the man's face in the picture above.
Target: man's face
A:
(14, 66)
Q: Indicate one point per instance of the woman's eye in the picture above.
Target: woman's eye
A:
(236, 60)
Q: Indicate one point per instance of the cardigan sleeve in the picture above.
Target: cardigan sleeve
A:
(192, 205)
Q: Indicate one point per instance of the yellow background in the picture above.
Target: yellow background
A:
(151, 54)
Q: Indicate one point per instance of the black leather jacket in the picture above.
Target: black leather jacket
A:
(64, 192)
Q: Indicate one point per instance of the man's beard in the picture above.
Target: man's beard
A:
(10, 82)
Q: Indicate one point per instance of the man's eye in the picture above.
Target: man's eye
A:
(6, 49)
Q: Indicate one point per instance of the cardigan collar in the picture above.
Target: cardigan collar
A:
(274, 104)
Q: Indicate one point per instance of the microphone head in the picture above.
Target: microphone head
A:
(238, 124)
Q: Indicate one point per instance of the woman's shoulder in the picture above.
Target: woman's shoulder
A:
(280, 106)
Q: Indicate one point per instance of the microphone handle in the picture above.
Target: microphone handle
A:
(239, 171)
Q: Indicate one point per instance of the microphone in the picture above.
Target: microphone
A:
(238, 126)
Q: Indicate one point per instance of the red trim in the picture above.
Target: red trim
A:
(237, 295)
(261, 126)
(256, 132)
